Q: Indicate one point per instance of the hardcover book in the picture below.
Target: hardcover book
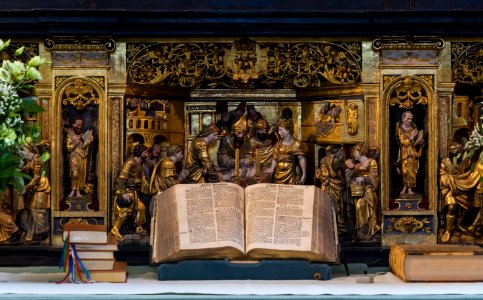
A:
(117, 274)
(95, 254)
(428, 262)
(225, 221)
(85, 233)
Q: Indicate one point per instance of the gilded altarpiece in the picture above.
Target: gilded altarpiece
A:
(163, 92)
(410, 139)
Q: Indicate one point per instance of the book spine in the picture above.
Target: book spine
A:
(397, 256)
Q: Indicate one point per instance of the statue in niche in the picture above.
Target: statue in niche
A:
(362, 175)
(35, 218)
(331, 177)
(411, 142)
(288, 155)
(78, 143)
(130, 182)
(199, 167)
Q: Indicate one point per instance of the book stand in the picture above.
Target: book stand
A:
(226, 270)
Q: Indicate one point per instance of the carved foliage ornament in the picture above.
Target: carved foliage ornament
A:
(80, 95)
(467, 62)
(409, 224)
(244, 63)
(408, 93)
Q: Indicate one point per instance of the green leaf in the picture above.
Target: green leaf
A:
(4, 75)
(3, 184)
(45, 156)
(19, 51)
(18, 183)
(33, 74)
(36, 61)
(29, 105)
(18, 69)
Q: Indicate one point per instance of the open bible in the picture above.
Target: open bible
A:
(225, 221)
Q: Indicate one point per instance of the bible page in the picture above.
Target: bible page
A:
(279, 217)
(211, 215)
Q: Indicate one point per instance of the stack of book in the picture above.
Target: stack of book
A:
(95, 248)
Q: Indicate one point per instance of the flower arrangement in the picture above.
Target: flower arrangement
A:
(18, 107)
(475, 141)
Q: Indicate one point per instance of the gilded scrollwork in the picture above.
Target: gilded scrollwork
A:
(467, 62)
(409, 224)
(244, 63)
(60, 79)
(428, 78)
(80, 95)
(387, 79)
(408, 93)
(101, 80)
